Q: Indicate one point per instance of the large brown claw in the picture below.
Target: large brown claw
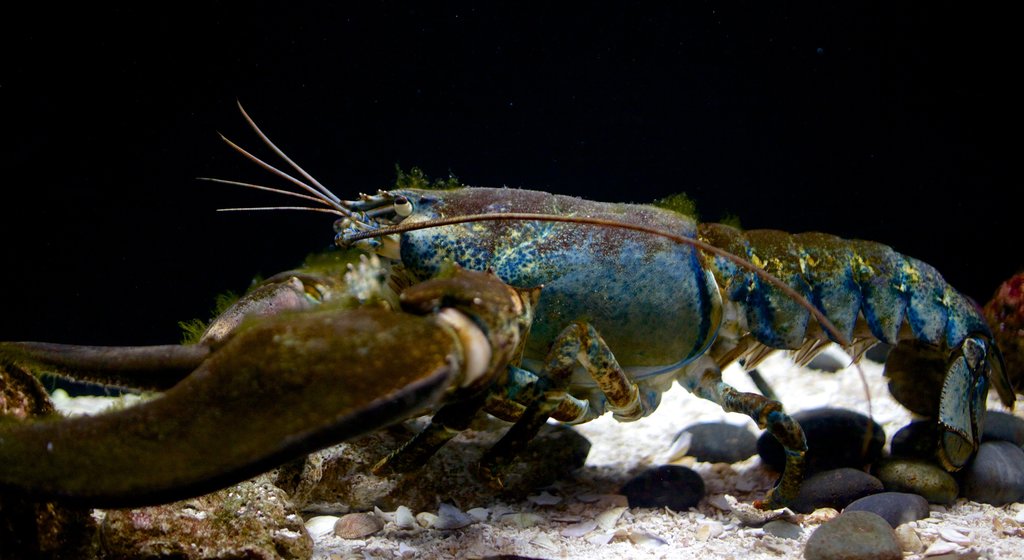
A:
(147, 368)
(276, 390)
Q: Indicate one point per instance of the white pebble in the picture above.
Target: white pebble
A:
(579, 529)
(646, 539)
(479, 514)
(709, 530)
(426, 519)
(954, 536)
(941, 547)
(601, 539)
(545, 542)
(404, 518)
(321, 525)
(680, 446)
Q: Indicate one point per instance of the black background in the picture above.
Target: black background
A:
(892, 123)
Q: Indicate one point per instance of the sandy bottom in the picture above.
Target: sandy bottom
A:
(584, 518)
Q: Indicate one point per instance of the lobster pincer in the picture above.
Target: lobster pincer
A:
(271, 389)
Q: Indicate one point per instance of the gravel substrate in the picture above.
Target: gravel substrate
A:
(585, 518)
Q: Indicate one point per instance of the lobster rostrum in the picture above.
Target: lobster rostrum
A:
(522, 304)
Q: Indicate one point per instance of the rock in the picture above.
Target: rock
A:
(253, 519)
(996, 476)
(339, 479)
(1005, 315)
(720, 442)
(878, 353)
(826, 362)
(672, 486)
(835, 438)
(916, 440)
(895, 507)
(31, 529)
(858, 535)
(918, 477)
(357, 525)
(1000, 426)
(783, 529)
(835, 489)
(916, 372)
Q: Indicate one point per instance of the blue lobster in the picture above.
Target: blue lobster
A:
(522, 304)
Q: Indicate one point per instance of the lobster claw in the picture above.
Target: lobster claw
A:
(276, 389)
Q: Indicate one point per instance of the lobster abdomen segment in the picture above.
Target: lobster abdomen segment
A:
(845, 279)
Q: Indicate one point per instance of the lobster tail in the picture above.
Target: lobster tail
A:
(897, 296)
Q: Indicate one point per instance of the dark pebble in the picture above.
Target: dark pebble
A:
(920, 477)
(835, 489)
(675, 487)
(916, 372)
(719, 442)
(1000, 426)
(835, 438)
(996, 476)
(895, 507)
(826, 362)
(858, 535)
(917, 439)
(878, 353)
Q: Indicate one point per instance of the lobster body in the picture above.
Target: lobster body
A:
(616, 281)
(659, 305)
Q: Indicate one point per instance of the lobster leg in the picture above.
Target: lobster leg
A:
(706, 382)
(444, 425)
(579, 343)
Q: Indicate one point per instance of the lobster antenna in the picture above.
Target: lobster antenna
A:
(695, 243)
(262, 188)
(266, 140)
(262, 208)
(282, 174)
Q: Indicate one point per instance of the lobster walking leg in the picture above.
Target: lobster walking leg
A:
(707, 383)
(578, 343)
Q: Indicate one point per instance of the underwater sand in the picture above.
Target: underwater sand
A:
(964, 530)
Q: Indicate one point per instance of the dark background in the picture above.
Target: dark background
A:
(894, 123)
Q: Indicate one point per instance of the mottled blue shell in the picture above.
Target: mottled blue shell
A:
(652, 300)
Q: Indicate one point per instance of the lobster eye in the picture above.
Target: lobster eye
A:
(403, 207)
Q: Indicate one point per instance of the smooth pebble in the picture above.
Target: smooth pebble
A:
(918, 477)
(996, 476)
(672, 486)
(1001, 426)
(719, 442)
(895, 507)
(834, 488)
(783, 529)
(860, 535)
(835, 438)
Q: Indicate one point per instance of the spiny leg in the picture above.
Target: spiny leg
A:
(444, 425)
(504, 400)
(579, 343)
(707, 383)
